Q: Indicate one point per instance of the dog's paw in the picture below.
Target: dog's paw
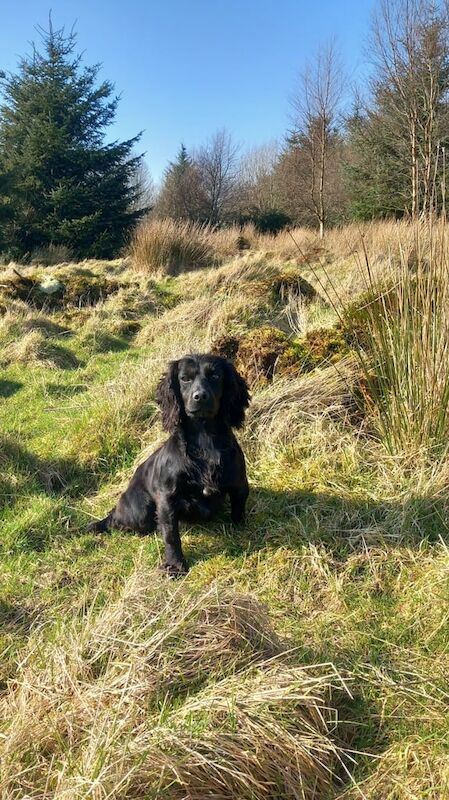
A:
(97, 526)
(175, 570)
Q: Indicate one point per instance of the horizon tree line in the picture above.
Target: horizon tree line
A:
(62, 184)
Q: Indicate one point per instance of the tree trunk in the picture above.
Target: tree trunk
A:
(414, 170)
(322, 171)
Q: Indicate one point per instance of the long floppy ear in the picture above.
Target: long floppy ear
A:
(236, 397)
(168, 398)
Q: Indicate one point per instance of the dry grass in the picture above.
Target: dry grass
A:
(168, 247)
(98, 712)
(279, 412)
(35, 348)
(407, 771)
(30, 337)
(186, 691)
(184, 320)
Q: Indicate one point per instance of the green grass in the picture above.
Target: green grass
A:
(343, 558)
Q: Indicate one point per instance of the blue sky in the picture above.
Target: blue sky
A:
(187, 67)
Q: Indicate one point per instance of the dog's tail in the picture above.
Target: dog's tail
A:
(100, 525)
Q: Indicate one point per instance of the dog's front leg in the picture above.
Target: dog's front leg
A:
(175, 563)
(238, 497)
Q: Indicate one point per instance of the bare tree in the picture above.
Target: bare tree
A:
(217, 163)
(315, 114)
(409, 43)
(145, 188)
(257, 178)
(295, 175)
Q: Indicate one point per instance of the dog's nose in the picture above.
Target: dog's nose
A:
(199, 395)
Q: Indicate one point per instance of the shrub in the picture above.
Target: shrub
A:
(400, 332)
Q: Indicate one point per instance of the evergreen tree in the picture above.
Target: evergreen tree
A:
(181, 194)
(61, 183)
(377, 174)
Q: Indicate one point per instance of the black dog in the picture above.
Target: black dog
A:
(202, 398)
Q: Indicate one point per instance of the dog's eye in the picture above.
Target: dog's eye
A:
(214, 376)
(185, 379)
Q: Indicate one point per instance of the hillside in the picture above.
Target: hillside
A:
(304, 656)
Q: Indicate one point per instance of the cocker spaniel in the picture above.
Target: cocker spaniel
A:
(202, 398)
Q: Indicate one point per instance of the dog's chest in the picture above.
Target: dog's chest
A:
(206, 469)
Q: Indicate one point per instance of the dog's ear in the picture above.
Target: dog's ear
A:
(236, 397)
(168, 398)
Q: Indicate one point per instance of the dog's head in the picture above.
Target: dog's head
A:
(202, 387)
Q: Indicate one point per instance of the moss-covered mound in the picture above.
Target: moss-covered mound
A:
(264, 351)
(49, 292)
(290, 283)
(258, 353)
(226, 346)
(324, 345)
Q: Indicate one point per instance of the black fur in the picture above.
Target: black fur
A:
(201, 398)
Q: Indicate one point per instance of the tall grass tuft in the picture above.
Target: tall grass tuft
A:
(400, 332)
(405, 355)
(170, 247)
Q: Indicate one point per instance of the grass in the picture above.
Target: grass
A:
(107, 692)
(305, 655)
(174, 247)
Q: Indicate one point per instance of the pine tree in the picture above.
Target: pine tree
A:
(181, 193)
(377, 174)
(61, 183)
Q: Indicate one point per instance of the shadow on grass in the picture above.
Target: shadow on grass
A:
(15, 618)
(61, 356)
(108, 343)
(51, 476)
(295, 519)
(58, 391)
(8, 388)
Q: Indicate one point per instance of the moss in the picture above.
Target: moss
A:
(84, 290)
(264, 351)
(292, 283)
(76, 290)
(225, 346)
(325, 345)
(258, 353)
(293, 361)
(318, 348)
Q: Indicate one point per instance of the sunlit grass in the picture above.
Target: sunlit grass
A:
(321, 625)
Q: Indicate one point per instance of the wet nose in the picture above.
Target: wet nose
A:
(199, 395)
